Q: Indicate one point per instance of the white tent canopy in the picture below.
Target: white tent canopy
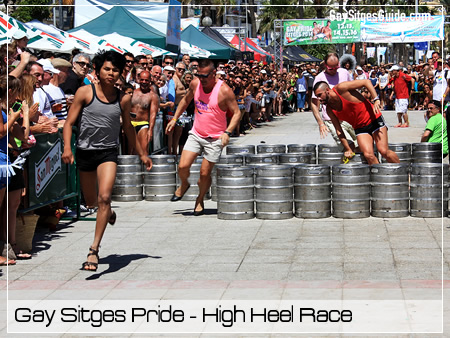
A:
(50, 38)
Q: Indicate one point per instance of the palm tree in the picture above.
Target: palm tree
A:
(276, 9)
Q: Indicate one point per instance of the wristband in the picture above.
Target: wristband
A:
(174, 119)
(228, 133)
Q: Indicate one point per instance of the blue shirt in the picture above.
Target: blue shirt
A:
(4, 143)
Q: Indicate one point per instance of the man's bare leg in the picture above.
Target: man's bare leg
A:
(106, 175)
(381, 140)
(204, 183)
(186, 160)
(365, 142)
(142, 139)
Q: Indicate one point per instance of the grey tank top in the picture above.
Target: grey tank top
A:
(99, 124)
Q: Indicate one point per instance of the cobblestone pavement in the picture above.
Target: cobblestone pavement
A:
(159, 251)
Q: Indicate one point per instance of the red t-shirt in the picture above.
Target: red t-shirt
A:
(401, 85)
(358, 114)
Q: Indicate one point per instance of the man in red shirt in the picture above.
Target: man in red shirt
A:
(345, 103)
(400, 81)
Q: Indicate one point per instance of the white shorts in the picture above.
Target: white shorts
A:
(401, 105)
(349, 132)
(211, 147)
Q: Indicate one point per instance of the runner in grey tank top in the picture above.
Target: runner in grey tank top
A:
(99, 108)
(99, 124)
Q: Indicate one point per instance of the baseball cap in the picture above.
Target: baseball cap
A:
(359, 68)
(263, 71)
(313, 71)
(394, 67)
(169, 68)
(221, 72)
(231, 61)
(47, 65)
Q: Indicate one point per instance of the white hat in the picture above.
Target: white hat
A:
(394, 67)
(221, 72)
(263, 71)
(48, 66)
(169, 68)
(19, 34)
(313, 71)
(359, 68)
(231, 61)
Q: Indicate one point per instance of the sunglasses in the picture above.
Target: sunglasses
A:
(129, 61)
(143, 63)
(169, 63)
(83, 64)
(332, 68)
(203, 76)
(181, 69)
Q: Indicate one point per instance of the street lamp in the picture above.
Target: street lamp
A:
(207, 21)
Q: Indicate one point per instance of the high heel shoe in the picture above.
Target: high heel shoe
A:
(176, 198)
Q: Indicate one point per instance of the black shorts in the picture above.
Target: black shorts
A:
(89, 160)
(371, 128)
(138, 128)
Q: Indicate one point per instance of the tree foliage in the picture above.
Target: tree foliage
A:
(319, 51)
(39, 11)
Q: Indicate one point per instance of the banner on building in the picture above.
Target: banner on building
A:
(382, 50)
(370, 52)
(190, 21)
(320, 31)
(381, 29)
(403, 30)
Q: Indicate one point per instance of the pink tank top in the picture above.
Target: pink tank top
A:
(210, 120)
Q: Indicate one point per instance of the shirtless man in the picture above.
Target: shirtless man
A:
(316, 30)
(156, 75)
(144, 107)
(327, 30)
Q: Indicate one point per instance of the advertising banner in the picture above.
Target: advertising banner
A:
(404, 29)
(370, 52)
(173, 31)
(320, 31)
(47, 175)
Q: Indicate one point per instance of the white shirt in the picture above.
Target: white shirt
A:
(384, 80)
(41, 97)
(439, 84)
(56, 95)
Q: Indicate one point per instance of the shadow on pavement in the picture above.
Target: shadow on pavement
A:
(117, 262)
(190, 212)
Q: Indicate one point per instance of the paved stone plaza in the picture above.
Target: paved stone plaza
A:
(159, 251)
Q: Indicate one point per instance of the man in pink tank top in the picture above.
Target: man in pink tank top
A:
(213, 101)
(345, 103)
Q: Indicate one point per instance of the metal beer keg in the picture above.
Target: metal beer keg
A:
(390, 190)
(351, 191)
(160, 182)
(235, 192)
(274, 192)
(128, 183)
(312, 191)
